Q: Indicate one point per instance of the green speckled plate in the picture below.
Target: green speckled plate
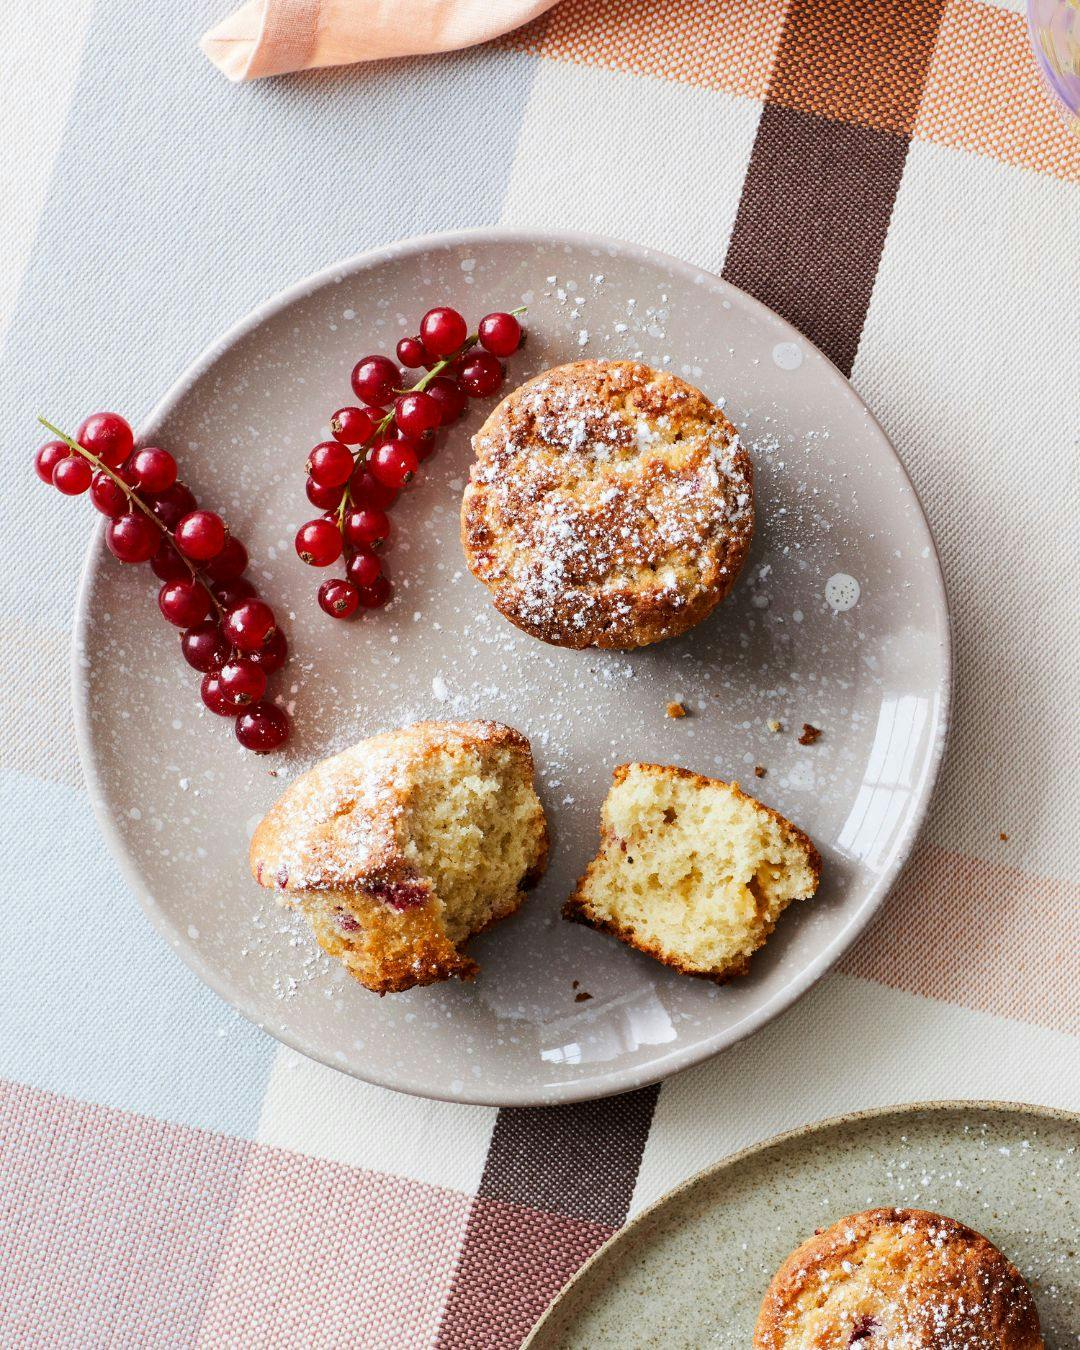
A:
(691, 1270)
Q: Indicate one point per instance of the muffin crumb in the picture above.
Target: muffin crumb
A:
(809, 734)
(774, 725)
(759, 771)
(676, 710)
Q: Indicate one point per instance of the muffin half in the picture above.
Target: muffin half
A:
(401, 848)
(691, 870)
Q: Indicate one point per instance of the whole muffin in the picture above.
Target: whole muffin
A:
(897, 1279)
(402, 847)
(610, 505)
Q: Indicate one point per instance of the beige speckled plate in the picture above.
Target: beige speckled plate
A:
(839, 620)
(692, 1269)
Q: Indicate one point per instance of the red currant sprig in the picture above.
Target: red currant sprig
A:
(377, 449)
(229, 635)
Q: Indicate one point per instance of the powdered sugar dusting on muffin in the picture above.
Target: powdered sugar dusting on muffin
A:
(898, 1279)
(610, 505)
(402, 847)
(349, 791)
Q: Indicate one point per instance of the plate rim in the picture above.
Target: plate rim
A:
(612, 1081)
(811, 1128)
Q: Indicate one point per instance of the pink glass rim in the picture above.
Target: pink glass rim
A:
(1054, 30)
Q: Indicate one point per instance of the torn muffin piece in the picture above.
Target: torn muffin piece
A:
(401, 848)
(691, 870)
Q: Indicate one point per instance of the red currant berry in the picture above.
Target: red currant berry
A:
(72, 476)
(368, 491)
(184, 602)
(131, 538)
(154, 469)
(243, 681)
(338, 598)
(325, 498)
(375, 595)
(230, 562)
(249, 624)
(172, 505)
(417, 413)
(126, 473)
(47, 458)
(363, 567)
(319, 543)
(394, 464)
(351, 426)
(166, 563)
(421, 446)
(107, 436)
(200, 535)
(374, 380)
(107, 495)
(204, 647)
(367, 526)
(263, 727)
(481, 375)
(271, 655)
(330, 464)
(411, 353)
(230, 592)
(394, 433)
(449, 397)
(216, 696)
(500, 334)
(442, 331)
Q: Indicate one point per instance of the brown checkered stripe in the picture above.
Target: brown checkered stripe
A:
(557, 1184)
(827, 162)
(808, 236)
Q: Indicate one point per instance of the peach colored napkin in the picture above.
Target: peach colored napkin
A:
(271, 37)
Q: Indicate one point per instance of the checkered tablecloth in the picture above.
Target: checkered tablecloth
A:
(891, 177)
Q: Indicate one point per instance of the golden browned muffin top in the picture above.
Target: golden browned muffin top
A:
(898, 1279)
(337, 823)
(610, 505)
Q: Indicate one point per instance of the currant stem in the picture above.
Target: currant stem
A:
(134, 500)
